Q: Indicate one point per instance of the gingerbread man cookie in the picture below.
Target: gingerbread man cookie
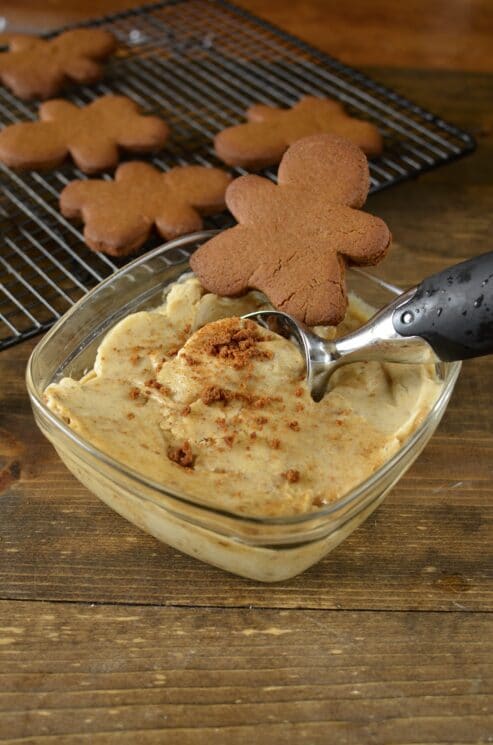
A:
(119, 215)
(91, 135)
(293, 240)
(39, 68)
(270, 131)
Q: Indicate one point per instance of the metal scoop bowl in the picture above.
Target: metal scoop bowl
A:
(449, 316)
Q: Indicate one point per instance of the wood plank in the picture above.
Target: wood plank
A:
(103, 674)
(79, 673)
(441, 34)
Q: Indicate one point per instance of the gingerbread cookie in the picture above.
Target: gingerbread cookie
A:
(294, 239)
(91, 135)
(270, 131)
(39, 68)
(119, 215)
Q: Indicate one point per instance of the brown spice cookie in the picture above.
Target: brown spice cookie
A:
(91, 134)
(270, 131)
(293, 240)
(119, 215)
(38, 68)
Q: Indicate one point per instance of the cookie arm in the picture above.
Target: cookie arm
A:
(58, 109)
(74, 196)
(363, 239)
(82, 42)
(250, 199)
(364, 134)
(253, 145)
(259, 112)
(129, 128)
(225, 263)
(83, 70)
(316, 106)
(20, 42)
(200, 187)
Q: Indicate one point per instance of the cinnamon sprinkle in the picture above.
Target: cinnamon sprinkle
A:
(212, 393)
(229, 440)
(151, 383)
(190, 360)
(291, 475)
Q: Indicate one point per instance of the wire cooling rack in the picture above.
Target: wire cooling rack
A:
(200, 64)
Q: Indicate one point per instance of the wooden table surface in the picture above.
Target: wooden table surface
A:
(107, 636)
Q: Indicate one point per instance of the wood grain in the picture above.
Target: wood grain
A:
(107, 636)
(102, 674)
(441, 34)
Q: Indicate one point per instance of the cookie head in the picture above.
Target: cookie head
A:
(294, 240)
(308, 163)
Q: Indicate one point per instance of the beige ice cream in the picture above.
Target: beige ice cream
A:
(216, 408)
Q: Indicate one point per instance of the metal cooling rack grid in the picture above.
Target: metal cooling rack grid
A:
(199, 63)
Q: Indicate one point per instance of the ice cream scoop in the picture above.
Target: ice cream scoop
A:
(447, 317)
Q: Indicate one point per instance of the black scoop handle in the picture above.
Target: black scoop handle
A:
(453, 310)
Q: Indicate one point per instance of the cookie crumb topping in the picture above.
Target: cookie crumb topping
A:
(182, 455)
(292, 475)
(237, 343)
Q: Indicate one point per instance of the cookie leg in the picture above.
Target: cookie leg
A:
(178, 219)
(93, 154)
(225, 263)
(116, 235)
(254, 145)
(124, 241)
(83, 70)
(310, 288)
(143, 134)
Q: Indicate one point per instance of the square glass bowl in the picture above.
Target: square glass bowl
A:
(267, 550)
